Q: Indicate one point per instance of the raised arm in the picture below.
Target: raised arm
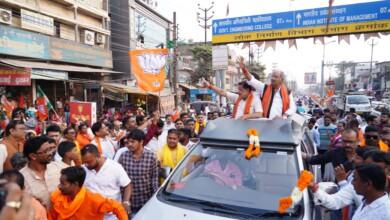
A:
(219, 91)
(252, 81)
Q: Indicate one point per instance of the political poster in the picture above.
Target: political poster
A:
(148, 67)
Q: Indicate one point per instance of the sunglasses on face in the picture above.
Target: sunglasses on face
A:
(371, 137)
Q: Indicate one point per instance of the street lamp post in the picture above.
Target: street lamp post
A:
(323, 67)
(205, 19)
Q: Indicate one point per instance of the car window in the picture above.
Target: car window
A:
(358, 99)
(223, 175)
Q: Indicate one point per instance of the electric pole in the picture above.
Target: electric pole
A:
(174, 67)
(372, 44)
(205, 19)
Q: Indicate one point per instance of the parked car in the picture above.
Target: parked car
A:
(214, 181)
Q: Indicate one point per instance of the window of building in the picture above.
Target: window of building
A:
(154, 35)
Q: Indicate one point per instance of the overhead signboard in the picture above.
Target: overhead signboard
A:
(220, 57)
(345, 19)
(310, 78)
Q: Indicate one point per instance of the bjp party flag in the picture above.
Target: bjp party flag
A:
(148, 66)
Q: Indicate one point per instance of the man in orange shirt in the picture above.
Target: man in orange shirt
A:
(73, 201)
(83, 137)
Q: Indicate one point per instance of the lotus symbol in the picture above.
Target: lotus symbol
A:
(152, 63)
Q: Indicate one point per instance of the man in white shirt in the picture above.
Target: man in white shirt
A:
(168, 124)
(370, 182)
(277, 101)
(247, 104)
(106, 177)
(102, 141)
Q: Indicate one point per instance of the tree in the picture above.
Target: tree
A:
(259, 69)
(202, 54)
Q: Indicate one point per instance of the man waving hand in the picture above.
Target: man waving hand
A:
(277, 100)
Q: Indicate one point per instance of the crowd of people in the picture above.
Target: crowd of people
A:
(109, 169)
(354, 153)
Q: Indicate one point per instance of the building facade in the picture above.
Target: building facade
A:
(135, 25)
(62, 46)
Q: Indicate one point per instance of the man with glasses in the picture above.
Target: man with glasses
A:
(371, 136)
(12, 143)
(340, 156)
(41, 174)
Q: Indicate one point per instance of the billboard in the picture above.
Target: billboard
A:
(344, 19)
(220, 57)
(17, 42)
(15, 77)
(37, 22)
(310, 78)
(82, 112)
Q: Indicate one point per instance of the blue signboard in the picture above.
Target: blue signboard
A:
(18, 42)
(355, 18)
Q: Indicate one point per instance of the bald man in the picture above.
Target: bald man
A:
(277, 100)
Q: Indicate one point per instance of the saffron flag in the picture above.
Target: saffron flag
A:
(148, 67)
(7, 106)
(43, 105)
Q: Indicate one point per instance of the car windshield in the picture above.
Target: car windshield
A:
(358, 99)
(224, 176)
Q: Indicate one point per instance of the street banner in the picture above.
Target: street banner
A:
(310, 78)
(82, 112)
(148, 67)
(43, 105)
(15, 77)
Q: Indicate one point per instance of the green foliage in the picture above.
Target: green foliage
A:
(203, 56)
(259, 69)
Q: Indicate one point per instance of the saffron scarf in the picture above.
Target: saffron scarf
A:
(248, 105)
(64, 206)
(166, 156)
(383, 146)
(267, 96)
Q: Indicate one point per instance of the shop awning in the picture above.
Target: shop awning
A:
(186, 86)
(49, 74)
(51, 66)
(121, 88)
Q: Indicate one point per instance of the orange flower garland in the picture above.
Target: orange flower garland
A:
(253, 149)
(296, 196)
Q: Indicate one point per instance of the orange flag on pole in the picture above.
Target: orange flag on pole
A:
(148, 67)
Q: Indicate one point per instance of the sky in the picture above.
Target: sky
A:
(294, 62)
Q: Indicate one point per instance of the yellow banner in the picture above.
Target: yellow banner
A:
(303, 32)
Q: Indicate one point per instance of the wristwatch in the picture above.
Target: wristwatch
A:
(126, 203)
(14, 204)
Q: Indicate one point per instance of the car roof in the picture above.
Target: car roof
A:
(234, 132)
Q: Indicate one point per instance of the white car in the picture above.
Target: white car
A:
(214, 181)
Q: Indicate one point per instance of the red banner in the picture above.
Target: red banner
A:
(15, 77)
(82, 112)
